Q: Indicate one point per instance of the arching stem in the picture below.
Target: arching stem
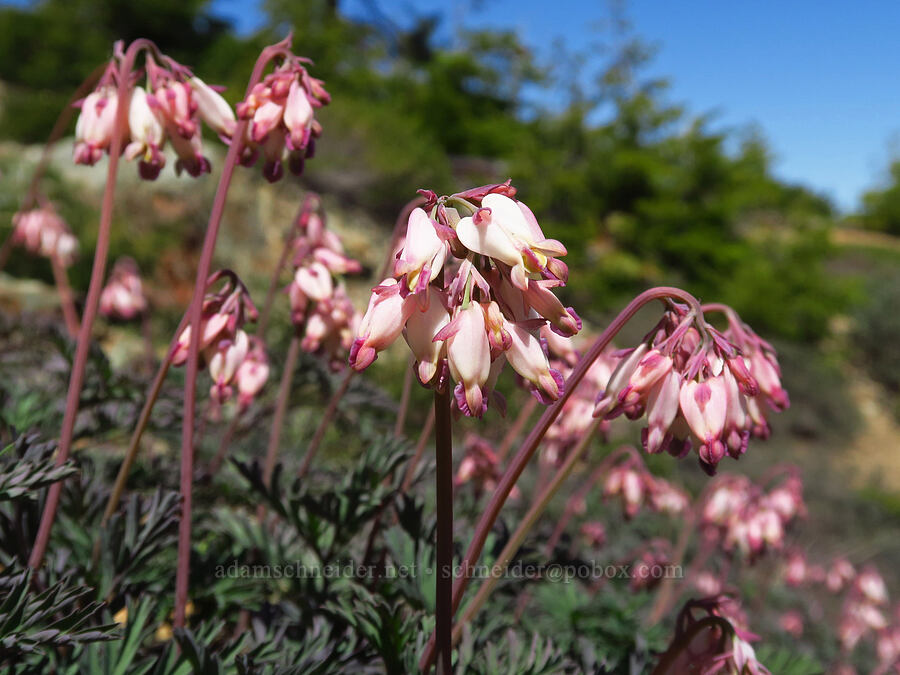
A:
(531, 442)
(182, 572)
(76, 379)
(515, 541)
(324, 423)
(419, 451)
(284, 395)
(70, 314)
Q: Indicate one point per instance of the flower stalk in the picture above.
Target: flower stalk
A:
(195, 314)
(530, 444)
(76, 379)
(444, 545)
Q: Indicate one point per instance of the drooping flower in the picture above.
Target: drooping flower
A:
(123, 296)
(321, 310)
(253, 373)
(282, 121)
(697, 386)
(491, 273)
(234, 359)
(43, 232)
(169, 108)
(708, 639)
(95, 125)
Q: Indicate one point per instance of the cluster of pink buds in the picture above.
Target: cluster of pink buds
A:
(697, 386)
(862, 613)
(233, 358)
(123, 297)
(575, 417)
(710, 638)
(170, 108)
(472, 286)
(743, 517)
(320, 306)
(282, 122)
(480, 466)
(42, 232)
(630, 480)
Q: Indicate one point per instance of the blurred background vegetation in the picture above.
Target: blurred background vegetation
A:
(641, 192)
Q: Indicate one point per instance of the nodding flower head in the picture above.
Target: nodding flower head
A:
(281, 112)
(225, 311)
(170, 107)
(42, 232)
(96, 123)
(742, 516)
(711, 637)
(253, 372)
(630, 480)
(480, 466)
(321, 310)
(234, 359)
(123, 296)
(475, 277)
(697, 386)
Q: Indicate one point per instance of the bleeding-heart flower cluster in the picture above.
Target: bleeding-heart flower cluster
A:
(224, 346)
(42, 232)
(480, 466)
(168, 107)
(630, 481)
(321, 310)
(744, 517)
(697, 386)
(281, 111)
(472, 286)
(123, 297)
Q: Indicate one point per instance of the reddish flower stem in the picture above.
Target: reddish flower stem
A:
(284, 395)
(327, 416)
(216, 463)
(404, 397)
(443, 434)
(70, 314)
(531, 442)
(182, 572)
(579, 496)
(76, 379)
(524, 415)
(419, 451)
(512, 546)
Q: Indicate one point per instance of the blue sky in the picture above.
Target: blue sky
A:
(820, 79)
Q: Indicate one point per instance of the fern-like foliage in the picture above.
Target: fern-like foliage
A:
(26, 465)
(32, 621)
